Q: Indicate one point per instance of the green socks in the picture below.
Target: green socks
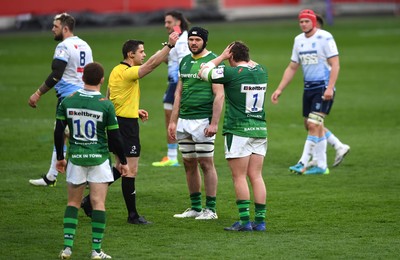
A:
(70, 223)
(260, 213)
(211, 203)
(244, 211)
(195, 200)
(98, 226)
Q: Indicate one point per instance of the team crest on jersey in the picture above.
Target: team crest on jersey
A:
(184, 66)
(217, 73)
(60, 53)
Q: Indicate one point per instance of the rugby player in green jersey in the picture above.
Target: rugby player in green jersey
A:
(91, 120)
(194, 123)
(244, 128)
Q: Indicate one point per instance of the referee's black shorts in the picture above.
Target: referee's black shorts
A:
(129, 129)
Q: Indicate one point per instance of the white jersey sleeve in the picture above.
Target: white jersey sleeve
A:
(175, 56)
(76, 53)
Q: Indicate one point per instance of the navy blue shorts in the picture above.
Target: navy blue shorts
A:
(169, 95)
(129, 129)
(313, 102)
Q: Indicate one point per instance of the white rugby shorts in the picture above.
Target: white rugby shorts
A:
(244, 146)
(77, 174)
(193, 129)
(191, 138)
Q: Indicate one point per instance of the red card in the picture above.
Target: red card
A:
(177, 29)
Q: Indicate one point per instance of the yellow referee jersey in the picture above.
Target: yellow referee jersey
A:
(124, 90)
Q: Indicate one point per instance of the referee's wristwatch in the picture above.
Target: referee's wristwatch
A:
(167, 44)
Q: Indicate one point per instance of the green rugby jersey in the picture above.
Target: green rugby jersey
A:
(245, 89)
(88, 114)
(197, 95)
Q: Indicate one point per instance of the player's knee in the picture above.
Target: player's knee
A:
(306, 123)
(133, 167)
(207, 165)
(315, 118)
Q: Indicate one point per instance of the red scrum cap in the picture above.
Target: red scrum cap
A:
(308, 14)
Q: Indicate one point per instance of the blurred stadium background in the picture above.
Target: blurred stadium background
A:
(28, 14)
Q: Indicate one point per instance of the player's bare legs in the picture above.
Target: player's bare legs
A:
(210, 175)
(254, 171)
(251, 167)
(193, 177)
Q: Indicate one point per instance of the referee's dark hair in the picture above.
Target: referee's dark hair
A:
(130, 45)
(92, 74)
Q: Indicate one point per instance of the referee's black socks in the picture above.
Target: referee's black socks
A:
(129, 193)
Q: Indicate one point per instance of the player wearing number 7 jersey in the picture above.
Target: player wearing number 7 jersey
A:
(245, 128)
(70, 57)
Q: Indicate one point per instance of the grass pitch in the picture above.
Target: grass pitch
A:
(353, 213)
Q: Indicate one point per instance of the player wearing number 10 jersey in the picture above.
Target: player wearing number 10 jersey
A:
(70, 57)
(245, 129)
(88, 114)
(93, 125)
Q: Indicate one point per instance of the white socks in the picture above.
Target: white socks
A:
(333, 140)
(172, 151)
(309, 149)
(315, 148)
(320, 153)
(52, 173)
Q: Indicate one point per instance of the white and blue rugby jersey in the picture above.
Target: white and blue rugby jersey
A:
(175, 56)
(76, 53)
(312, 53)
